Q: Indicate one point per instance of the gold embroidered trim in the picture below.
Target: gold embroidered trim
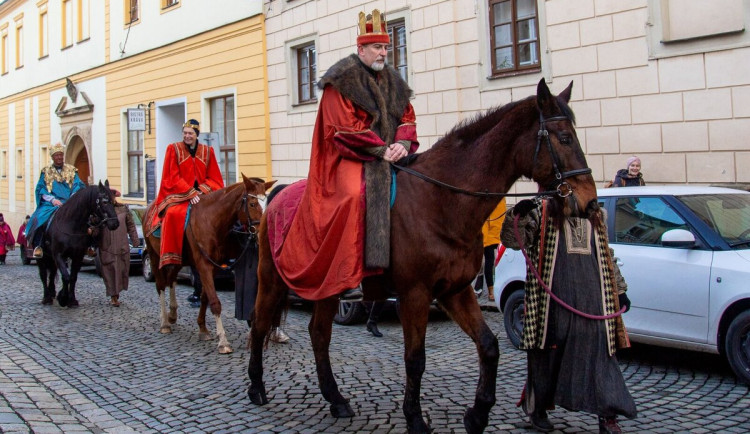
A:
(66, 175)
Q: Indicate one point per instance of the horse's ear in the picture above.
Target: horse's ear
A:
(565, 95)
(544, 99)
(269, 184)
(100, 185)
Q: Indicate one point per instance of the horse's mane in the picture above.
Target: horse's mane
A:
(471, 129)
(78, 203)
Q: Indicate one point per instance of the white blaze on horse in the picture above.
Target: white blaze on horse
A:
(220, 226)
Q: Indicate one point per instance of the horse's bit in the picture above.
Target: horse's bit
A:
(563, 189)
(560, 176)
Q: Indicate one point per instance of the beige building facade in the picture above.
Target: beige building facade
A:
(665, 80)
(114, 81)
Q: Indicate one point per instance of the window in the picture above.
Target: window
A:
(4, 47)
(222, 122)
(131, 11)
(43, 32)
(19, 163)
(3, 164)
(67, 23)
(643, 220)
(306, 73)
(169, 3)
(19, 42)
(397, 54)
(135, 162)
(84, 20)
(514, 36)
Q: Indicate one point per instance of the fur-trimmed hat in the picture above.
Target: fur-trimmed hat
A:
(372, 29)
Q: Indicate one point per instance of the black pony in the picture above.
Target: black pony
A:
(70, 232)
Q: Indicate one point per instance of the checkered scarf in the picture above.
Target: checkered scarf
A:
(543, 254)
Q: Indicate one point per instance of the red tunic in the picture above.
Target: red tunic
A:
(323, 254)
(181, 172)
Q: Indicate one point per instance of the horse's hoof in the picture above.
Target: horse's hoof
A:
(63, 302)
(225, 349)
(172, 319)
(47, 300)
(257, 397)
(474, 422)
(420, 428)
(342, 410)
(205, 336)
(165, 330)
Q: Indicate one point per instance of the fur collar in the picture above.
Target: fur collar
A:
(377, 93)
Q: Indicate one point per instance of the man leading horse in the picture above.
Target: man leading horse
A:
(340, 233)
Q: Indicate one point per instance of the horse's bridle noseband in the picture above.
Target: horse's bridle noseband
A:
(563, 188)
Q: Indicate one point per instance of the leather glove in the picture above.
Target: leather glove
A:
(524, 207)
(624, 301)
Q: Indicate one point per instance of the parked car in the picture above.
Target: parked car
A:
(136, 253)
(685, 254)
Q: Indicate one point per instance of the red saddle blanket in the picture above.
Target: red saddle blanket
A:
(280, 213)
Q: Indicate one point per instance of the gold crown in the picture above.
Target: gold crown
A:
(372, 29)
(192, 123)
(57, 147)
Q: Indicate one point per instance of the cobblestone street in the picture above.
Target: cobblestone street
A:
(98, 369)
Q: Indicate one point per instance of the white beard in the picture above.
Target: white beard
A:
(377, 66)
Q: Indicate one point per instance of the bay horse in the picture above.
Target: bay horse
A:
(210, 241)
(71, 231)
(436, 241)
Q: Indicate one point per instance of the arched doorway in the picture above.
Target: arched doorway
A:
(80, 157)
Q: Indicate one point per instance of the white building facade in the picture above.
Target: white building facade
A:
(665, 80)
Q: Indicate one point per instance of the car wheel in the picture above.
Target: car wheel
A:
(148, 276)
(350, 312)
(513, 317)
(24, 259)
(738, 346)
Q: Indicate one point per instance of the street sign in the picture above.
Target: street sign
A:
(136, 120)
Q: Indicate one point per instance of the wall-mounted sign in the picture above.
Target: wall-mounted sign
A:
(136, 120)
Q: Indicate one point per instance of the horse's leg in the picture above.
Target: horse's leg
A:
(414, 308)
(63, 297)
(203, 333)
(47, 282)
(320, 327)
(75, 267)
(172, 318)
(270, 299)
(210, 299)
(464, 309)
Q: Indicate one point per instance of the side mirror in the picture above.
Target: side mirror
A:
(678, 238)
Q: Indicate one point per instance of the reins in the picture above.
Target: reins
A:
(542, 134)
(547, 288)
(250, 235)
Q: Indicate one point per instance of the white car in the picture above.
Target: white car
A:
(685, 254)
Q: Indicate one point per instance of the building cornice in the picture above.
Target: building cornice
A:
(8, 6)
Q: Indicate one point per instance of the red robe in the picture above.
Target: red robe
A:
(180, 175)
(323, 253)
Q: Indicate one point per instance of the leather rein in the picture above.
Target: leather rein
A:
(247, 230)
(563, 189)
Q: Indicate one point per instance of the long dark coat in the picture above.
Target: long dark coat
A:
(114, 252)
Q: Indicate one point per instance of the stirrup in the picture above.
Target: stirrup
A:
(38, 252)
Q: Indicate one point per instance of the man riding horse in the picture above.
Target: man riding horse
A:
(57, 183)
(190, 170)
(364, 121)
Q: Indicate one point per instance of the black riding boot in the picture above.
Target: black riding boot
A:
(372, 321)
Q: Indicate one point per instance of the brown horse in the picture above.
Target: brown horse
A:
(209, 242)
(436, 248)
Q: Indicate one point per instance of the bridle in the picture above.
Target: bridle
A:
(102, 216)
(247, 230)
(563, 189)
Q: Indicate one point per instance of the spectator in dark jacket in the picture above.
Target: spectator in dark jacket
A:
(631, 176)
